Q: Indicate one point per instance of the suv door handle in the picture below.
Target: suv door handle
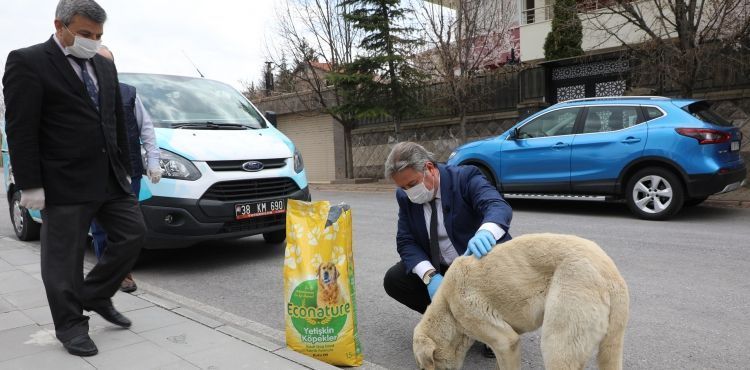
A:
(631, 140)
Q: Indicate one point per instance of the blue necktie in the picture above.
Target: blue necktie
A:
(87, 81)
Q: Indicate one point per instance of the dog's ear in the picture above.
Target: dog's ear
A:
(424, 351)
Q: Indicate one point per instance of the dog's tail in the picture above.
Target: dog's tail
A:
(610, 348)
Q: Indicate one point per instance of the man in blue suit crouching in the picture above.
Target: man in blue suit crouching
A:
(444, 212)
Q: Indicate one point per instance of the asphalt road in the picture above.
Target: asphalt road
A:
(688, 279)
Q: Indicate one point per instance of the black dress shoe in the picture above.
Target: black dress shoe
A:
(110, 314)
(81, 345)
(487, 352)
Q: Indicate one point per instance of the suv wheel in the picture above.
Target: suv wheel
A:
(654, 193)
(275, 237)
(26, 229)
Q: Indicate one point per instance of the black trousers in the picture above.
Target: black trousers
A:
(64, 240)
(408, 288)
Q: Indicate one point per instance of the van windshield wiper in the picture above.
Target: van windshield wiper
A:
(208, 125)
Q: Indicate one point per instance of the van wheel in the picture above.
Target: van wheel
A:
(25, 228)
(654, 193)
(275, 237)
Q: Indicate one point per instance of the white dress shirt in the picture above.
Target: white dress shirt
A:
(148, 136)
(447, 251)
(76, 67)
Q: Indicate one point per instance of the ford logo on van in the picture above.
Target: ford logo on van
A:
(252, 166)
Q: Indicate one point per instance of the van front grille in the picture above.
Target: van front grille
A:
(237, 165)
(278, 187)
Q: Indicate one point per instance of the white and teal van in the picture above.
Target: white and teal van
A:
(227, 171)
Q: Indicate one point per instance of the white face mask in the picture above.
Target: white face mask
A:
(82, 47)
(419, 194)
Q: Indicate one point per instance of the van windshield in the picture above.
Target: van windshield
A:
(196, 103)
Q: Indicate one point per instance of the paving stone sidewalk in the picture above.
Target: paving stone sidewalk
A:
(164, 335)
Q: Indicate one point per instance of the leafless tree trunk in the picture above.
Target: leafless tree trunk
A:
(463, 42)
(310, 31)
(680, 40)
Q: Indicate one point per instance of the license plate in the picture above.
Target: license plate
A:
(258, 209)
(735, 146)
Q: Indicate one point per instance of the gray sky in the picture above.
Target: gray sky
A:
(225, 38)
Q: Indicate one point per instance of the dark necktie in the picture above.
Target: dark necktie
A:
(434, 247)
(87, 81)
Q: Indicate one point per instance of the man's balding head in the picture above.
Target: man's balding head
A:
(105, 52)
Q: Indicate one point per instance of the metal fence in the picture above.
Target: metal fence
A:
(486, 93)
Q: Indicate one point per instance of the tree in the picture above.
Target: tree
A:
(463, 42)
(565, 38)
(681, 41)
(314, 33)
(381, 80)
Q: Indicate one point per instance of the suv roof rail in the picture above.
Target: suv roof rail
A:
(617, 97)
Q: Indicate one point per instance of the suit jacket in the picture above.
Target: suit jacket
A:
(468, 201)
(56, 137)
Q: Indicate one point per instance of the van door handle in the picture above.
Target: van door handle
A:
(631, 140)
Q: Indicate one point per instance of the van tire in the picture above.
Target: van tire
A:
(25, 228)
(275, 237)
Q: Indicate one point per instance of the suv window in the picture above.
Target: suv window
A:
(653, 113)
(555, 123)
(603, 119)
(702, 111)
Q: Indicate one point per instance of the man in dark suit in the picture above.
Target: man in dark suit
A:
(69, 151)
(444, 212)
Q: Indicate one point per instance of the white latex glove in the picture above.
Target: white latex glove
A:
(33, 198)
(154, 174)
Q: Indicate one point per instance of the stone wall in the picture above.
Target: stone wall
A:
(371, 145)
(737, 109)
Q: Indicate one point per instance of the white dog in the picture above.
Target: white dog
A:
(564, 284)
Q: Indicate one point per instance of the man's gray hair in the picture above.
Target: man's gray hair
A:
(405, 155)
(66, 9)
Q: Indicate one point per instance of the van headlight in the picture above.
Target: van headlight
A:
(176, 167)
(298, 164)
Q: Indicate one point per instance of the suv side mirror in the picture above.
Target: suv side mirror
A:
(271, 117)
(513, 134)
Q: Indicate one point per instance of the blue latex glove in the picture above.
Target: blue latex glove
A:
(434, 284)
(480, 244)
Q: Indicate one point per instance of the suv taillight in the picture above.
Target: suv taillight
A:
(704, 135)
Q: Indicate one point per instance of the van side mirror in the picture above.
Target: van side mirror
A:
(271, 117)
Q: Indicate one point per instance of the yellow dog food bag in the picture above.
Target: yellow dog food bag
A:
(321, 319)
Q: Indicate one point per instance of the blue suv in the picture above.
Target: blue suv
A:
(658, 154)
